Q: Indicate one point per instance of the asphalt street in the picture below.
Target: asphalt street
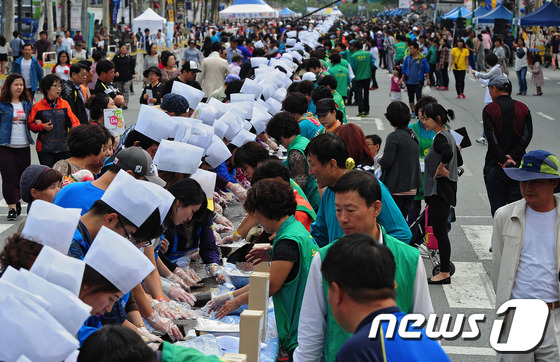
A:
(471, 290)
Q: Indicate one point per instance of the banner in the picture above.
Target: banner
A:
(404, 4)
(116, 6)
(76, 15)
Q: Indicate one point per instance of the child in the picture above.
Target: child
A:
(396, 82)
(537, 78)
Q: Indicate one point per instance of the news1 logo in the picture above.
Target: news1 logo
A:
(525, 331)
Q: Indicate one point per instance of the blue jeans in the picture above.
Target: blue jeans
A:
(472, 61)
(500, 188)
(522, 80)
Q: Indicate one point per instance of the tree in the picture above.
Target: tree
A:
(9, 18)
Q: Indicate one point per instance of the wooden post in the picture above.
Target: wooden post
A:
(258, 296)
(250, 327)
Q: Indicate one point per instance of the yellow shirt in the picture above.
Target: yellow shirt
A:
(459, 58)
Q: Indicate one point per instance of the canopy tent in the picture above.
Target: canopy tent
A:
(334, 12)
(546, 15)
(393, 12)
(248, 9)
(286, 12)
(149, 20)
(499, 12)
(460, 12)
(480, 11)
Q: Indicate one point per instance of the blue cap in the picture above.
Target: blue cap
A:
(535, 165)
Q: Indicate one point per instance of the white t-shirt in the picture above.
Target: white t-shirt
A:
(19, 127)
(69, 42)
(26, 71)
(79, 55)
(537, 276)
(520, 62)
(63, 72)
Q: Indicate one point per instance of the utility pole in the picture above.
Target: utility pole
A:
(50, 22)
(9, 15)
(62, 15)
(20, 13)
(85, 24)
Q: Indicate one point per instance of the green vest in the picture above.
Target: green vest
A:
(303, 208)
(340, 104)
(287, 301)
(406, 258)
(311, 190)
(175, 353)
(424, 145)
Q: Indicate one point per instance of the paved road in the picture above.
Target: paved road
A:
(471, 290)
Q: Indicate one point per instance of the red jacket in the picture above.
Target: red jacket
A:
(62, 118)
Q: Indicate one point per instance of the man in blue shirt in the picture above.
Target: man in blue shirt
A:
(327, 155)
(415, 69)
(360, 274)
(232, 50)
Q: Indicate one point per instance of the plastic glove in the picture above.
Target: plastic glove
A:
(226, 196)
(229, 239)
(218, 199)
(185, 311)
(218, 208)
(164, 245)
(178, 280)
(165, 325)
(165, 311)
(222, 220)
(217, 302)
(147, 336)
(221, 228)
(183, 275)
(239, 192)
(217, 237)
(273, 146)
(217, 272)
(193, 275)
(178, 294)
(259, 253)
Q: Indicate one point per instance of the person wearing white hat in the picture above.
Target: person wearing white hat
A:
(133, 160)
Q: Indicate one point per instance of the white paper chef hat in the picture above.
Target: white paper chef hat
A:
(220, 109)
(291, 42)
(243, 109)
(258, 44)
(60, 269)
(154, 123)
(241, 97)
(268, 91)
(280, 94)
(207, 181)
(8, 288)
(220, 129)
(183, 130)
(259, 123)
(166, 199)
(250, 86)
(206, 113)
(178, 157)
(201, 135)
(234, 123)
(291, 34)
(246, 126)
(193, 95)
(243, 137)
(27, 329)
(65, 307)
(217, 152)
(51, 225)
(258, 61)
(131, 198)
(118, 260)
(275, 106)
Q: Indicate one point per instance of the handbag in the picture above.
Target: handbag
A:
(431, 241)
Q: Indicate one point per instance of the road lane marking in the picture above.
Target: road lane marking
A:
(480, 237)
(545, 116)
(546, 78)
(468, 289)
(4, 227)
(379, 124)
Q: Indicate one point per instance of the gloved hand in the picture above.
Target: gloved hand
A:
(259, 253)
(217, 272)
(273, 146)
(164, 310)
(217, 237)
(182, 274)
(217, 302)
(226, 196)
(218, 199)
(221, 228)
(185, 311)
(164, 245)
(218, 208)
(239, 192)
(178, 294)
(147, 336)
(229, 239)
(193, 274)
(178, 280)
(164, 325)
(222, 220)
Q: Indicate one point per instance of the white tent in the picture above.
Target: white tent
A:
(149, 19)
(248, 9)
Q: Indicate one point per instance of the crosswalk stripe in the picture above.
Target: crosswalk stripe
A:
(467, 172)
(480, 237)
(4, 227)
(379, 124)
(470, 287)
(3, 203)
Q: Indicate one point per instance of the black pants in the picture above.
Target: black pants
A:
(382, 62)
(50, 158)
(373, 80)
(444, 75)
(13, 161)
(404, 203)
(413, 90)
(432, 72)
(459, 81)
(362, 95)
(438, 212)
(501, 189)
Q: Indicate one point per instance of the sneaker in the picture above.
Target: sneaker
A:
(463, 95)
(12, 215)
(538, 94)
(482, 140)
(519, 93)
(444, 88)
(458, 96)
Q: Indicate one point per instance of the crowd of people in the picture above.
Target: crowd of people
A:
(255, 114)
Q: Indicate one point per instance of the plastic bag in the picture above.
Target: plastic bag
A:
(206, 344)
(426, 91)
